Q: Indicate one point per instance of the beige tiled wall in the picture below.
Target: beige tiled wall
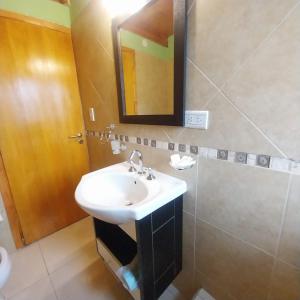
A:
(241, 223)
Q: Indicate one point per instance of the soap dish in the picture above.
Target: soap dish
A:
(180, 168)
(181, 163)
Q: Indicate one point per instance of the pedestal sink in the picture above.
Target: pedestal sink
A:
(117, 196)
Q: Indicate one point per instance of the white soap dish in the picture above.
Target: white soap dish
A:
(180, 168)
(181, 163)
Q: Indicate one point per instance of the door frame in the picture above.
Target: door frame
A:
(5, 190)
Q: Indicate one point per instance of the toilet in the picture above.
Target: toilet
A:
(5, 267)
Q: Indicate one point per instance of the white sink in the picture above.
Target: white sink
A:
(117, 196)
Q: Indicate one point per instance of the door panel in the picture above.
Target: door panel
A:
(39, 108)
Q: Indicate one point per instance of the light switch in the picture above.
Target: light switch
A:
(196, 119)
(92, 114)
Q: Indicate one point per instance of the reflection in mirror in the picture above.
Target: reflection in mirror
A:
(147, 56)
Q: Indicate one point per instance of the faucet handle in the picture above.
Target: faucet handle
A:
(150, 175)
(131, 168)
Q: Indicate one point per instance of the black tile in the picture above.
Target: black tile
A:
(164, 248)
(194, 149)
(164, 281)
(171, 146)
(182, 147)
(178, 233)
(145, 256)
(121, 138)
(126, 138)
(153, 143)
(263, 161)
(162, 215)
(146, 142)
(222, 154)
(241, 157)
(139, 140)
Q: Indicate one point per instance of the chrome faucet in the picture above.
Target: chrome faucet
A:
(139, 168)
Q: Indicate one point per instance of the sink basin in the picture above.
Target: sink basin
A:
(117, 196)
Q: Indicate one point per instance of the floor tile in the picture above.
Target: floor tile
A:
(79, 261)
(41, 290)
(60, 246)
(91, 283)
(27, 268)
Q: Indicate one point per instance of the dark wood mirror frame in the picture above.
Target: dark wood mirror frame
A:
(177, 119)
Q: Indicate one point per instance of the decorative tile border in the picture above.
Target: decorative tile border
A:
(249, 159)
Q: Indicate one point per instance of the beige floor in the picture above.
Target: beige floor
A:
(64, 266)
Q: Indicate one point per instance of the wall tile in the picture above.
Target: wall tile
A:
(267, 87)
(101, 154)
(198, 89)
(285, 283)
(289, 249)
(228, 129)
(231, 264)
(222, 34)
(246, 202)
(185, 280)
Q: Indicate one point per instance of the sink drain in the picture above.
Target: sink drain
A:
(128, 203)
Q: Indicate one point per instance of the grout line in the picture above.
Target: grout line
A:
(191, 7)
(48, 272)
(24, 289)
(96, 91)
(53, 287)
(106, 51)
(188, 213)
(43, 257)
(288, 264)
(168, 137)
(282, 222)
(237, 238)
(238, 110)
(261, 44)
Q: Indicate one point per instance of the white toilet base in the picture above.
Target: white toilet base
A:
(5, 267)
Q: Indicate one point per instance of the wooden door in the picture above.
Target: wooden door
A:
(39, 108)
(128, 62)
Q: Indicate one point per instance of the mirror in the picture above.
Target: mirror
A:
(149, 53)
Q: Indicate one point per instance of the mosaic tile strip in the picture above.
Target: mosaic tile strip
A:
(249, 159)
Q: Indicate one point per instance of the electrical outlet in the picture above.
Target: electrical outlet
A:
(196, 119)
